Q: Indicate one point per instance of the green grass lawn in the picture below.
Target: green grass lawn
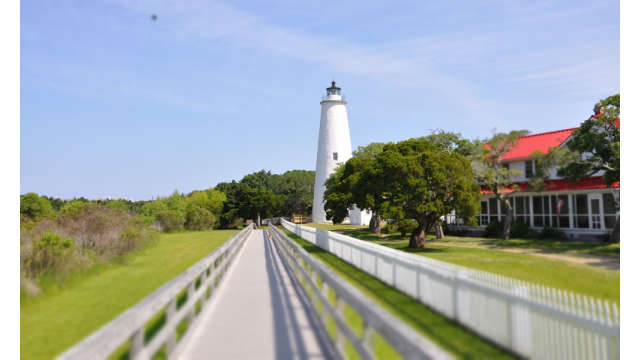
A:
(584, 279)
(332, 227)
(52, 322)
(460, 342)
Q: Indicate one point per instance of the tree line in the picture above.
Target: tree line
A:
(227, 205)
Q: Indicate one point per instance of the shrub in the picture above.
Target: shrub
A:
(406, 226)
(34, 206)
(494, 229)
(199, 218)
(390, 228)
(50, 253)
(551, 234)
(520, 229)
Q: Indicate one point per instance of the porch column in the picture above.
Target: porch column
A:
(571, 215)
(531, 210)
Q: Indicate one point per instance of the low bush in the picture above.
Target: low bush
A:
(390, 228)
(56, 247)
(551, 234)
(406, 226)
(493, 229)
(518, 230)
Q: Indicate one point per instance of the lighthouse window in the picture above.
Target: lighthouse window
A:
(335, 156)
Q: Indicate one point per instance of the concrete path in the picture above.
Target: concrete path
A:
(257, 313)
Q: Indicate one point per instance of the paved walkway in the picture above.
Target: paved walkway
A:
(257, 313)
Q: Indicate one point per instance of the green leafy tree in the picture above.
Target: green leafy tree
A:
(34, 206)
(353, 183)
(595, 147)
(297, 188)
(490, 170)
(421, 181)
(198, 218)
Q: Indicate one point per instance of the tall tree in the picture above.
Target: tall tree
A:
(353, 183)
(491, 172)
(595, 147)
(424, 182)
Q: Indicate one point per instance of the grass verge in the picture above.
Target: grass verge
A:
(52, 322)
(446, 333)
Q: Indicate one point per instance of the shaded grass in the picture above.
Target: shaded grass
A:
(52, 322)
(451, 336)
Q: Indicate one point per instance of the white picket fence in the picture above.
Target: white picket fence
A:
(533, 321)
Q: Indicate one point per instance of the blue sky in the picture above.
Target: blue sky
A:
(114, 104)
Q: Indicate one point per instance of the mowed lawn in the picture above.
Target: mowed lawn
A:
(53, 322)
(580, 278)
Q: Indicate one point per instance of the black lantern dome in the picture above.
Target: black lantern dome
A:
(333, 90)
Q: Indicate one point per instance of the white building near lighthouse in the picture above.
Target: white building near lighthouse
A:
(334, 147)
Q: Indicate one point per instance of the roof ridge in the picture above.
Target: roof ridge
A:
(547, 132)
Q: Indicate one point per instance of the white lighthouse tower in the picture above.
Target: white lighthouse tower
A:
(334, 147)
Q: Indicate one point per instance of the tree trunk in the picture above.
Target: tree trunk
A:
(439, 232)
(258, 224)
(375, 224)
(506, 230)
(417, 236)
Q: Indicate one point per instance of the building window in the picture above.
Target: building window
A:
(505, 166)
(609, 205)
(522, 210)
(335, 156)
(528, 169)
(560, 211)
(581, 210)
(493, 210)
(484, 213)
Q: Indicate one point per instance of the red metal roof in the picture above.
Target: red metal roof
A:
(561, 185)
(542, 142)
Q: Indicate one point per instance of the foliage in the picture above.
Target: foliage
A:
(548, 233)
(406, 226)
(423, 181)
(489, 169)
(369, 151)
(518, 230)
(390, 228)
(34, 206)
(47, 254)
(198, 218)
(598, 141)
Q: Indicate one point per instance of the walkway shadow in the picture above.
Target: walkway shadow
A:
(290, 343)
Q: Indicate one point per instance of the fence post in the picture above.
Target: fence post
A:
(171, 339)
(137, 343)
(339, 335)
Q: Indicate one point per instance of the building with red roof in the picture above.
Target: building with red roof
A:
(583, 208)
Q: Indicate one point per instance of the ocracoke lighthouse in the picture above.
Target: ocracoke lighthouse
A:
(334, 147)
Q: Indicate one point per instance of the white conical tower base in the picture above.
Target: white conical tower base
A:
(334, 147)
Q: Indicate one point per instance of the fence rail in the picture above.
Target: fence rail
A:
(309, 270)
(199, 281)
(532, 321)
